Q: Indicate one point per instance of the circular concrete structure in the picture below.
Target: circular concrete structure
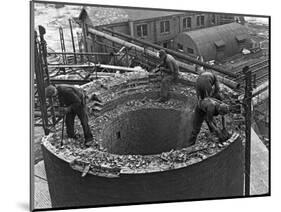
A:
(150, 131)
(141, 154)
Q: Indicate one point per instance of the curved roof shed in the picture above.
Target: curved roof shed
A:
(216, 42)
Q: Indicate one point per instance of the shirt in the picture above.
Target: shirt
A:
(70, 96)
(210, 106)
(171, 64)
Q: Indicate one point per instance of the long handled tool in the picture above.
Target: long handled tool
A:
(62, 130)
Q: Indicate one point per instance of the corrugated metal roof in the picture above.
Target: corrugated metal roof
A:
(106, 15)
(207, 39)
(134, 14)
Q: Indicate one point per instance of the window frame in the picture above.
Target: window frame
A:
(188, 50)
(180, 47)
(213, 19)
(202, 20)
(185, 22)
(141, 30)
(198, 20)
(166, 29)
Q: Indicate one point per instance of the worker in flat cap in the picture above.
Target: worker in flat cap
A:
(207, 109)
(170, 70)
(73, 102)
(207, 85)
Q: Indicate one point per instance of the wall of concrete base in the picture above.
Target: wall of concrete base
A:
(143, 132)
(218, 176)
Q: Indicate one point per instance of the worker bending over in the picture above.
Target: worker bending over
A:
(73, 102)
(207, 109)
(207, 85)
(170, 70)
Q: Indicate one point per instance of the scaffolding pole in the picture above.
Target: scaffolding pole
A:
(72, 39)
(62, 44)
(248, 111)
(40, 85)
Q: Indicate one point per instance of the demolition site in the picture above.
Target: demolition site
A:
(123, 112)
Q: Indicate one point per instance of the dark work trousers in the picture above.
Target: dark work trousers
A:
(81, 112)
(197, 121)
(166, 82)
(199, 117)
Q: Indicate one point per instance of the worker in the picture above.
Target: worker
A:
(207, 109)
(207, 85)
(170, 70)
(73, 102)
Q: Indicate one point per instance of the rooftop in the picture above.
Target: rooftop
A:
(102, 16)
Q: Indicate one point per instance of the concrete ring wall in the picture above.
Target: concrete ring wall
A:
(220, 175)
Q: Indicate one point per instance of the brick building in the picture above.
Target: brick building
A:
(156, 26)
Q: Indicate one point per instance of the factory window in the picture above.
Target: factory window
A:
(187, 22)
(180, 47)
(118, 135)
(200, 20)
(241, 38)
(190, 51)
(166, 44)
(213, 20)
(142, 30)
(164, 26)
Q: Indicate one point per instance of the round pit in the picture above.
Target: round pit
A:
(144, 132)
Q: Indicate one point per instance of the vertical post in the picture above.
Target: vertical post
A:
(248, 110)
(255, 80)
(84, 31)
(40, 85)
(97, 68)
(62, 44)
(45, 73)
(127, 57)
(72, 39)
(79, 37)
(143, 56)
(84, 37)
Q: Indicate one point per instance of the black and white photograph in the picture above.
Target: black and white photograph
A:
(134, 105)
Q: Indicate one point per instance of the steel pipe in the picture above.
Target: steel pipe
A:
(183, 66)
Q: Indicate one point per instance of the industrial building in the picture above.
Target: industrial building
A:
(214, 43)
(159, 27)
